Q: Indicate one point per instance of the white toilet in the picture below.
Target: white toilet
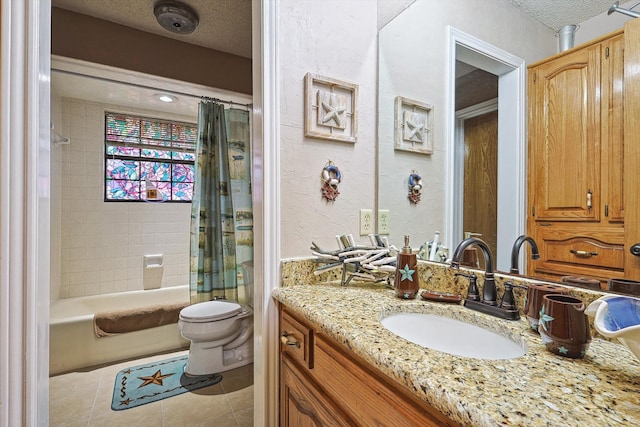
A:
(221, 335)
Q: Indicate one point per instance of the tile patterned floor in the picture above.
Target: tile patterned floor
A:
(83, 399)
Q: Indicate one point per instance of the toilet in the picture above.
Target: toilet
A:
(221, 335)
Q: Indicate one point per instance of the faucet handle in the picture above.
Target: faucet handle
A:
(508, 300)
(472, 291)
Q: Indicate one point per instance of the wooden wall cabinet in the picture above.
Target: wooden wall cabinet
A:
(575, 162)
(323, 384)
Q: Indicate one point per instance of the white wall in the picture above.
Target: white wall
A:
(413, 64)
(602, 24)
(102, 244)
(337, 39)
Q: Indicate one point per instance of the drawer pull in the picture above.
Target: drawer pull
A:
(583, 253)
(285, 340)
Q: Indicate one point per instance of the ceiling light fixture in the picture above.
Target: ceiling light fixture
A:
(176, 17)
(166, 98)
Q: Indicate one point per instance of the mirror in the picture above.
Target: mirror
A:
(459, 192)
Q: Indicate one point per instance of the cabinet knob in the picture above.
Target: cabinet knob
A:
(285, 340)
(635, 249)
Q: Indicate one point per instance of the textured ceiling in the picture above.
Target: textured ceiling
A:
(558, 13)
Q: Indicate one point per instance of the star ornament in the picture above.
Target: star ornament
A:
(415, 130)
(407, 273)
(332, 112)
(544, 318)
(153, 379)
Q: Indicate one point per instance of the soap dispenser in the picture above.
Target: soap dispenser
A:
(407, 283)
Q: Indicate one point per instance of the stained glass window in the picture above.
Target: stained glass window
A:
(142, 152)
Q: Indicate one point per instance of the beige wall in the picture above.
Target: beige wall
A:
(83, 37)
(337, 39)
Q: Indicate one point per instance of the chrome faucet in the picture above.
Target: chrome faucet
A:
(489, 287)
(488, 304)
(515, 252)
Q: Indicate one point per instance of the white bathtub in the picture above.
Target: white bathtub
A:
(74, 345)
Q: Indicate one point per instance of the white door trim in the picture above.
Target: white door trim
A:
(511, 127)
(266, 209)
(24, 213)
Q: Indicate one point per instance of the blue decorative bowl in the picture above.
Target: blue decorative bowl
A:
(618, 317)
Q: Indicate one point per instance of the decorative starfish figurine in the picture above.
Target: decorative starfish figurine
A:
(332, 112)
(153, 379)
(416, 130)
(407, 274)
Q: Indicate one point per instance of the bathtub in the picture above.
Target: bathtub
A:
(74, 345)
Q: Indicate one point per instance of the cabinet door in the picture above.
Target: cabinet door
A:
(301, 404)
(612, 117)
(566, 137)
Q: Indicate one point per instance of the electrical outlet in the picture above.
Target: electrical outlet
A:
(366, 222)
(383, 221)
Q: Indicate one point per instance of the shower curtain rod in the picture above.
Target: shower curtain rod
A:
(169, 91)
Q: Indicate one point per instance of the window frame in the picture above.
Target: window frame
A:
(140, 158)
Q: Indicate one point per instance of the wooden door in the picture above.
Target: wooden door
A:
(481, 178)
(301, 404)
(612, 117)
(632, 147)
(565, 124)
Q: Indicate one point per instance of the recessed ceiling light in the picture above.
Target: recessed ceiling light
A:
(166, 98)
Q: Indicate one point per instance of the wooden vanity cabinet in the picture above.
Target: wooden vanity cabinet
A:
(575, 161)
(333, 387)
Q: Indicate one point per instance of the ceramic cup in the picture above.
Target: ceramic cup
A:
(624, 286)
(563, 326)
(533, 303)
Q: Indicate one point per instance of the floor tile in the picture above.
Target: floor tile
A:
(83, 399)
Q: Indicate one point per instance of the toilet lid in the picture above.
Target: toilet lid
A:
(210, 311)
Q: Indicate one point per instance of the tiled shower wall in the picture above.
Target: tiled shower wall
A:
(103, 243)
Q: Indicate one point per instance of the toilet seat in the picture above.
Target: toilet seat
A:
(210, 311)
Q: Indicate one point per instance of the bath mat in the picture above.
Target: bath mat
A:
(155, 381)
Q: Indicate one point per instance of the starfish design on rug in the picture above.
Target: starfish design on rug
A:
(416, 130)
(153, 379)
(407, 273)
(332, 112)
(125, 402)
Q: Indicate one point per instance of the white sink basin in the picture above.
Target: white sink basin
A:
(452, 336)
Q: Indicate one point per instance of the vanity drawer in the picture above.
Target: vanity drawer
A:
(567, 249)
(296, 339)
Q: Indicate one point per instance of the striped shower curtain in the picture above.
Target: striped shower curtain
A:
(221, 210)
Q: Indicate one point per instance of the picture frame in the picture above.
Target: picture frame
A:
(330, 108)
(413, 126)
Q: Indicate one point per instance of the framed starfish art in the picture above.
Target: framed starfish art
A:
(413, 126)
(330, 108)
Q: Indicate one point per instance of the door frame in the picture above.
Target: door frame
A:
(511, 72)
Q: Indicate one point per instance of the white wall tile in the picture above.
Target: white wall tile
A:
(102, 243)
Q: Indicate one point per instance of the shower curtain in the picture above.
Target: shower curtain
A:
(221, 210)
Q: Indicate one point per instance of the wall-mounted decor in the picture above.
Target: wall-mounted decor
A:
(413, 126)
(331, 177)
(330, 108)
(415, 187)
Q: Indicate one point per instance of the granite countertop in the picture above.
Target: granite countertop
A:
(537, 389)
